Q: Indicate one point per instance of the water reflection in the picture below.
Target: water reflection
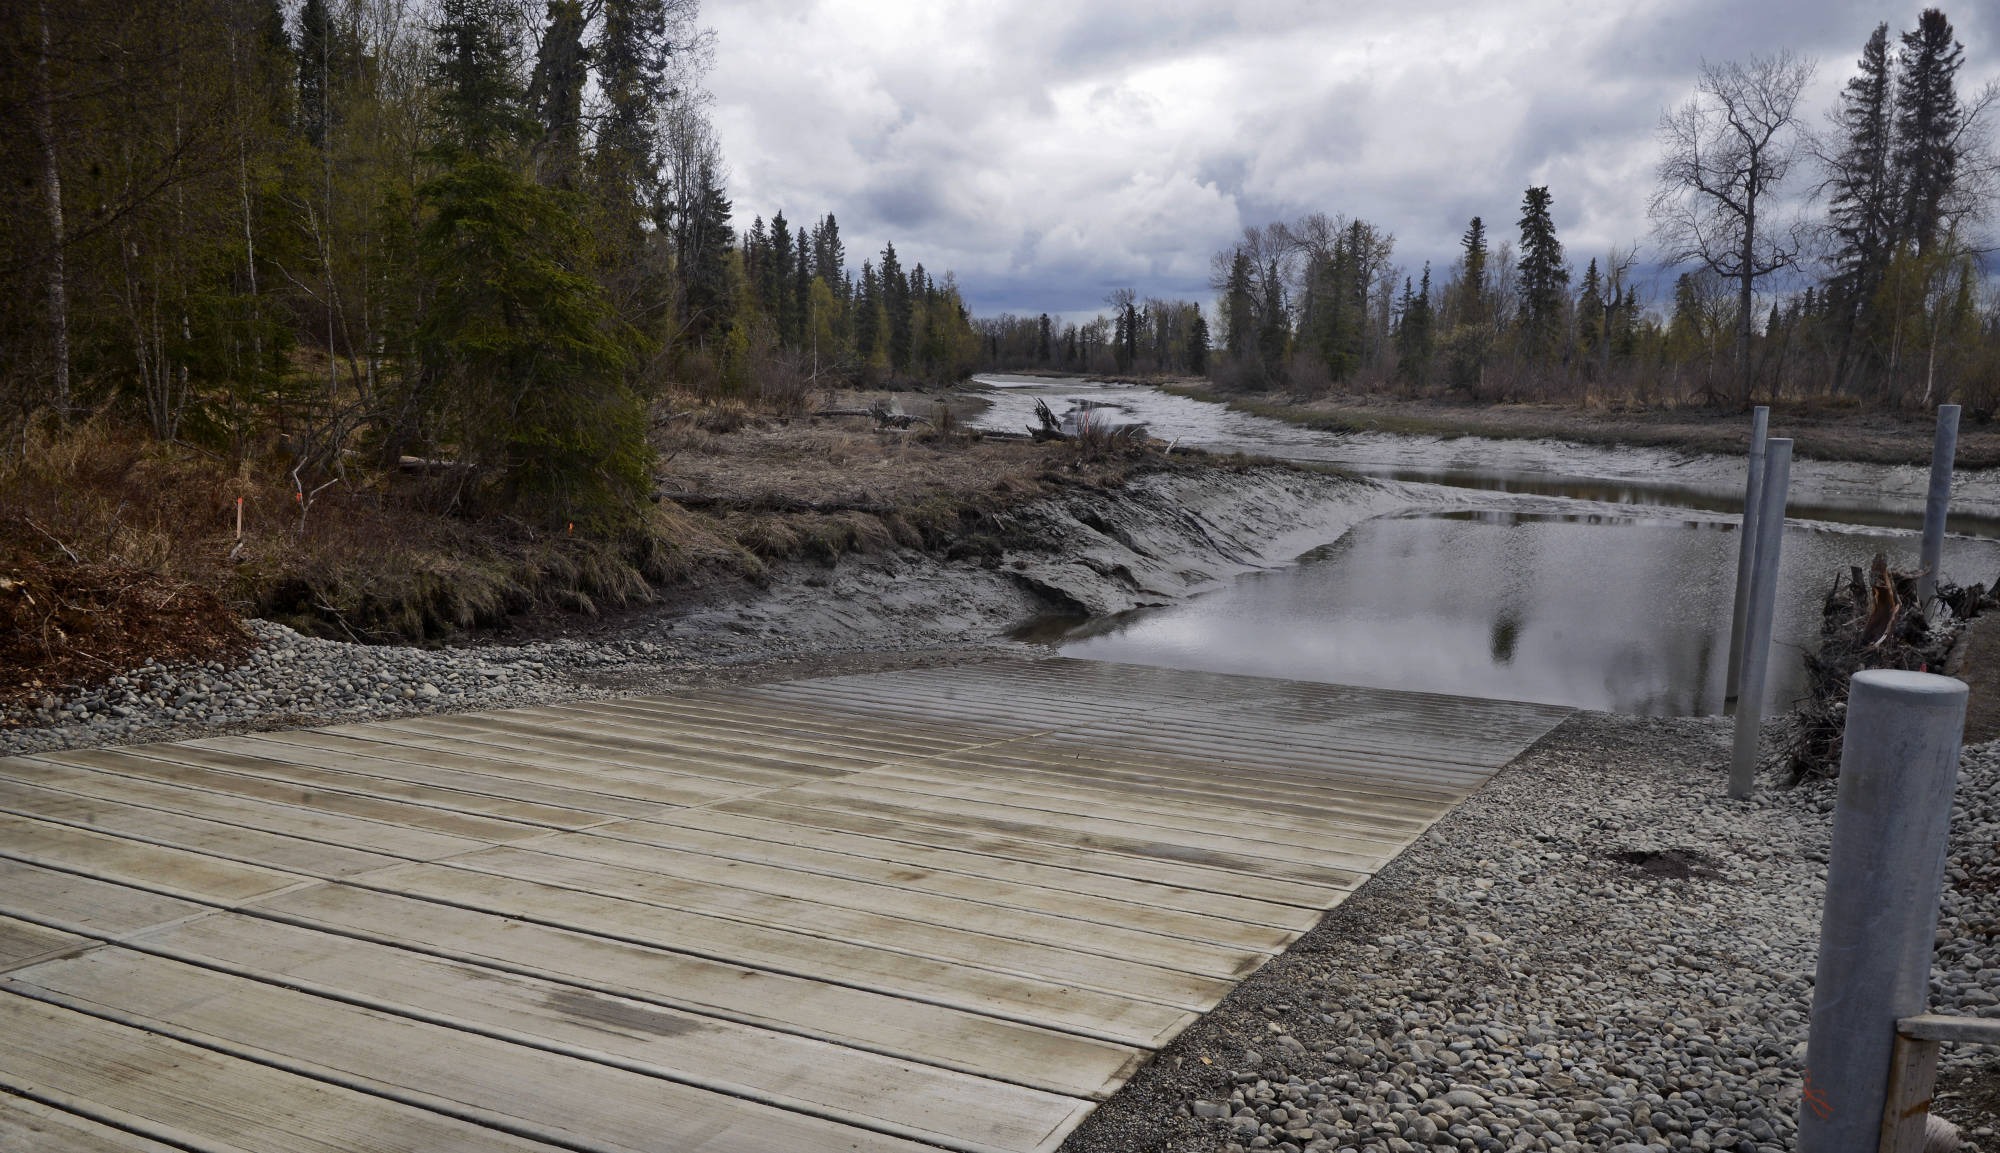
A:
(1628, 614)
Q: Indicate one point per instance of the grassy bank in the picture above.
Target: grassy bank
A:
(1823, 433)
(120, 548)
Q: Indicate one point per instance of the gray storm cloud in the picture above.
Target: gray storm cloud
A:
(1047, 152)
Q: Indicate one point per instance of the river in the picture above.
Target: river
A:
(1533, 570)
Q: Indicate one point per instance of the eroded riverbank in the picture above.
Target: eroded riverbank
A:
(1097, 547)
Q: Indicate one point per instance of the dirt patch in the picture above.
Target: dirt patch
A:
(1669, 864)
(75, 623)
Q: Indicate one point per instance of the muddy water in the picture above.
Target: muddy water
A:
(1568, 574)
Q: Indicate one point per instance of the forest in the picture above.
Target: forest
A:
(1876, 294)
(477, 238)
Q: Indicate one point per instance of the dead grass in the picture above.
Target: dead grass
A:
(1822, 431)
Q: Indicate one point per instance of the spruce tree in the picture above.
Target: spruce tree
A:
(802, 278)
(1590, 310)
(479, 98)
(1273, 327)
(1928, 123)
(774, 288)
(1544, 278)
(896, 303)
(1472, 274)
(1863, 207)
(1042, 349)
(555, 95)
(1240, 313)
(1197, 347)
(706, 290)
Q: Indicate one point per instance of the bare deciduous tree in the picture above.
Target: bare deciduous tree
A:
(1729, 149)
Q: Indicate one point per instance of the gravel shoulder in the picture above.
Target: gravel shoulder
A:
(1596, 951)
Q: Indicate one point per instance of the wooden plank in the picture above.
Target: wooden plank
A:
(682, 1046)
(982, 943)
(769, 772)
(39, 894)
(742, 733)
(1336, 866)
(236, 1104)
(1906, 1107)
(1076, 878)
(1016, 997)
(112, 791)
(373, 761)
(1140, 807)
(1074, 854)
(31, 1127)
(1054, 926)
(176, 872)
(1950, 1027)
(611, 765)
(23, 944)
(175, 830)
(1064, 897)
(618, 781)
(381, 1052)
(1025, 761)
(268, 773)
(965, 1039)
(236, 783)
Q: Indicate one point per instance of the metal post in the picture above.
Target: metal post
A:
(1943, 451)
(1884, 873)
(1763, 611)
(1746, 545)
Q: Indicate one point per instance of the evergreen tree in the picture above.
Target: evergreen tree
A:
(829, 254)
(479, 97)
(1042, 349)
(1197, 347)
(867, 305)
(1590, 310)
(706, 289)
(1862, 205)
(326, 53)
(896, 302)
(1414, 334)
(1928, 123)
(1544, 278)
(1472, 274)
(1273, 328)
(555, 95)
(1240, 313)
(774, 287)
(802, 278)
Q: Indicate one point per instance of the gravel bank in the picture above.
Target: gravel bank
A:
(1597, 951)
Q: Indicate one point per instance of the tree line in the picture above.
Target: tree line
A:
(1139, 337)
(1879, 296)
(480, 232)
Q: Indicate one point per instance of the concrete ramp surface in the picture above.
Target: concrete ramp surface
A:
(942, 908)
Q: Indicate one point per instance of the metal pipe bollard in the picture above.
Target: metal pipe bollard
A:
(1763, 611)
(1746, 546)
(1944, 450)
(1898, 773)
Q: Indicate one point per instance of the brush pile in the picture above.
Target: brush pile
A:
(1872, 620)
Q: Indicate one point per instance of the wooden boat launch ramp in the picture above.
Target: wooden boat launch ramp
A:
(944, 908)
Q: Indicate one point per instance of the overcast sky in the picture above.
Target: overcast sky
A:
(1047, 152)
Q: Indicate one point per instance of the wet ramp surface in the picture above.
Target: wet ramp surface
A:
(945, 908)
